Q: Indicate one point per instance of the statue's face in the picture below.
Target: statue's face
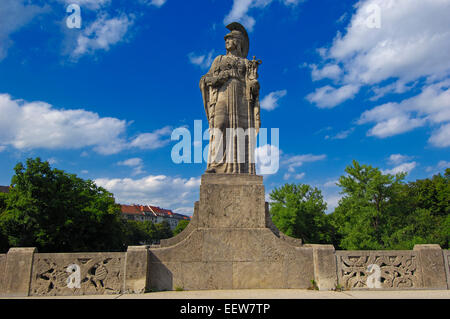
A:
(231, 44)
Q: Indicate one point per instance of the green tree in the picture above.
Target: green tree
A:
(426, 214)
(4, 245)
(364, 212)
(59, 212)
(298, 210)
(380, 211)
(182, 224)
(163, 230)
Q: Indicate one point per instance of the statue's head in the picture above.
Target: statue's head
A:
(237, 40)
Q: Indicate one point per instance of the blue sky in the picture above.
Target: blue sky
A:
(341, 80)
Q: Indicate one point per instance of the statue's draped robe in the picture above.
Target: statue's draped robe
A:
(231, 103)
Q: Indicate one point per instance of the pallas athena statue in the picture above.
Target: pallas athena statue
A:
(230, 93)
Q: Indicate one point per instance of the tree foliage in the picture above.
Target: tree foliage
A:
(298, 210)
(381, 211)
(146, 232)
(56, 211)
(182, 224)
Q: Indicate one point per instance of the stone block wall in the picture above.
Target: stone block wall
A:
(77, 274)
(420, 268)
(25, 272)
(2, 270)
(447, 266)
(29, 273)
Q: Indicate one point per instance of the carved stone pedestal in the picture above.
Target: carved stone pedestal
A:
(231, 243)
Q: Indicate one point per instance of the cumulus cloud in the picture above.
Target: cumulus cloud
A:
(398, 158)
(431, 106)
(174, 193)
(136, 163)
(14, 15)
(441, 137)
(102, 34)
(150, 141)
(332, 201)
(401, 164)
(240, 9)
(156, 3)
(30, 125)
(329, 97)
(203, 61)
(410, 43)
(293, 162)
(408, 47)
(88, 4)
(439, 168)
(402, 168)
(341, 135)
(270, 101)
(330, 71)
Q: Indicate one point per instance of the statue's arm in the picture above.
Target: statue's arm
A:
(214, 78)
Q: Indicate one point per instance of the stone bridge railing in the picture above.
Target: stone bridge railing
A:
(25, 272)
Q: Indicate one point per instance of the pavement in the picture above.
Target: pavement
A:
(270, 294)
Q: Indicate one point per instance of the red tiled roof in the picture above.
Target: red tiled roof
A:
(131, 210)
(148, 209)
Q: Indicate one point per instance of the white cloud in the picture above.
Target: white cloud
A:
(52, 161)
(328, 96)
(299, 176)
(270, 101)
(203, 61)
(156, 3)
(136, 163)
(332, 201)
(341, 135)
(131, 162)
(398, 158)
(402, 165)
(330, 71)
(14, 15)
(443, 164)
(169, 192)
(330, 184)
(410, 44)
(102, 34)
(441, 137)
(298, 160)
(88, 4)
(154, 140)
(439, 168)
(405, 167)
(410, 47)
(30, 125)
(431, 106)
(240, 9)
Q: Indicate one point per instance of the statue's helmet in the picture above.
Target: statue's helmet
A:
(238, 31)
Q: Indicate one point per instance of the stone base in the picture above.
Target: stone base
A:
(231, 243)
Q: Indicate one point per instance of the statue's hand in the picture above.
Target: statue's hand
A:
(212, 80)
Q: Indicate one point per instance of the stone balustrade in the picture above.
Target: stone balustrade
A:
(26, 272)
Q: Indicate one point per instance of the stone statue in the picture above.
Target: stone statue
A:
(230, 93)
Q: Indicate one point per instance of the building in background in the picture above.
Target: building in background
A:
(4, 189)
(152, 213)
